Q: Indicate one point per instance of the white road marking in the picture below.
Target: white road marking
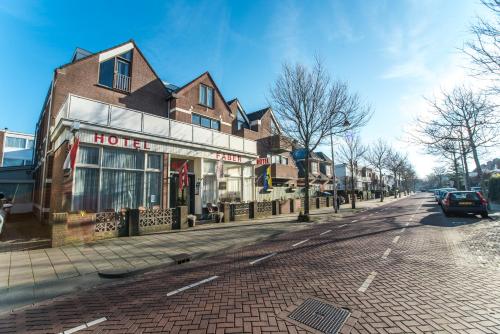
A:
(300, 242)
(326, 232)
(386, 253)
(343, 225)
(95, 322)
(407, 224)
(171, 293)
(404, 228)
(367, 282)
(84, 326)
(354, 221)
(395, 239)
(262, 258)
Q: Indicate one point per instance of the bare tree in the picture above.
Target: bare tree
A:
(377, 156)
(308, 105)
(439, 172)
(394, 163)
(463, 122)
(484, 48)
(349, 114)
(351, 152)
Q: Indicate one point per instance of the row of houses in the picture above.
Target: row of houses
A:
(134, 133)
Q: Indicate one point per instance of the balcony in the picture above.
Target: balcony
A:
(122, 82)
(280, 144)
(103, 114)
(285, 172)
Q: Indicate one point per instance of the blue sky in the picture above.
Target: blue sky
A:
(391, 52)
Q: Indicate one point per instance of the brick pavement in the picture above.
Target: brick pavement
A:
(30, 276)
(419, 287)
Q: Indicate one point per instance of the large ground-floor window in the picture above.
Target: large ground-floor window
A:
(111, 179)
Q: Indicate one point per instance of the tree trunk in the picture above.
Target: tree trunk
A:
(455, 167)
(475, 155)
(465, 164)
(380, 187)
(306, 196)
(353, 197)
(395, 185)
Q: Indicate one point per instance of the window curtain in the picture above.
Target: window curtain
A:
(234, 187)
(88, 155)
(123, 159)
(248, 189)
(209, 190)
(121, 189)
(86, 189)
(153, 189)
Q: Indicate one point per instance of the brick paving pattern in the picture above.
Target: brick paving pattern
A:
(429, 282)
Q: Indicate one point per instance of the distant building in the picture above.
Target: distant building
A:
(16, 149)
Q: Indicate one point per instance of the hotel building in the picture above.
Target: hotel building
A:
(135, 131)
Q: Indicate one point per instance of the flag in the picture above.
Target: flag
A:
(268, 181)
(70, 161)
(269, 178)
(219, 168)
(183, 176)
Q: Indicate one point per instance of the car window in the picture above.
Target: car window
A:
(464, 196)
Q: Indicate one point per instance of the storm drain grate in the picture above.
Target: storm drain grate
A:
(321, 316)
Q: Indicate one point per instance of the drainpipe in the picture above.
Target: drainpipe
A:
(47, 138)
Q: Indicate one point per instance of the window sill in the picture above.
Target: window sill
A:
(205, 106)
(114, 89)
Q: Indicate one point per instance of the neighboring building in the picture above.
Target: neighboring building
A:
(273, 149)
(16, 149)
(317, 179)
(16, 183)
(325, 166)
(135, 132)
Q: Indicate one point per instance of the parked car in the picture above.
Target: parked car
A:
(5, 207)
(441, 193)
(465, 202)
(478, 189)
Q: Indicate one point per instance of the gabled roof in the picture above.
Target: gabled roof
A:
(256, 115)
(240, 107)
(213, 82)
(323, 157)
(109, 49)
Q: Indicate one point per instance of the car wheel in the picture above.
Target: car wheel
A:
(484, 214)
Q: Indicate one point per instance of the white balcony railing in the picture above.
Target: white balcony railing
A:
(99, 113)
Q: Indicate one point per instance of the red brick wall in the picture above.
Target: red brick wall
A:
(189, 98)
(2, 138)
(81, 78)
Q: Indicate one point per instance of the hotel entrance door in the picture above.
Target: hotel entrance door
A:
(184, 197)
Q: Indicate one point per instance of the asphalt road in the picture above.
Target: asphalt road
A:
(400, 268)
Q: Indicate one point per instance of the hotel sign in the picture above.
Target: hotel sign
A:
(100, 138)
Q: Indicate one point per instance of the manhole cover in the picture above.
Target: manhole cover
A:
(321, 316)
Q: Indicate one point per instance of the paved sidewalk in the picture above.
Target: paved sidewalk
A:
(30, 276)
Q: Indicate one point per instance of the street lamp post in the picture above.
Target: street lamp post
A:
(335, 207)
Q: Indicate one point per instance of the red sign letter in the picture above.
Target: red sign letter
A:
(98, 137)
(112, 140)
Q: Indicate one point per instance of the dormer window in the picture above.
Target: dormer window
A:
(115, 72)
(206, 96)
(241, 120)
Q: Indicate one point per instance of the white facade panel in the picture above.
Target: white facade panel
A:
(250, 146)
(202, 136)
(181, 131)
(236, 143)
(221, 140)
(156, 125)
(89, 111)
(125, 119)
